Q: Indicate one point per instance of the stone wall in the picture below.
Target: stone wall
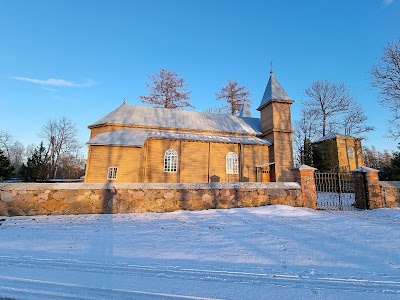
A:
(390, 193)
(20, 199)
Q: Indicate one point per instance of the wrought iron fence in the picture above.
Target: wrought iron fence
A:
(335, 191)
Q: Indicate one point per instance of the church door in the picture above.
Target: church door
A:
(266, 174)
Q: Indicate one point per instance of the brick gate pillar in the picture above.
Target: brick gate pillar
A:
(367, 188)
(304, 175)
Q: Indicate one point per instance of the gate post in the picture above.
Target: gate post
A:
(367, 189)
(304, 175)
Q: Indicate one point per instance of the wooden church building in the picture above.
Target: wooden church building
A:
(147, 144)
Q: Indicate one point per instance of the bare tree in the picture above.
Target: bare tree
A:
(327, 100)
(29, 150)
(167, 91)
(61, 136)
(354, 121)
(305, 133)
(6, 142)
(17, 155)
(386, 78)
(235, 95)
(376, 159)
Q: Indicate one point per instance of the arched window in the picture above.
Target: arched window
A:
(170, 161)
(232, 163)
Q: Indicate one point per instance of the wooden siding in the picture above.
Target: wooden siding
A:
(126, 159)
(194, 162)
(346, 162)
(253, 156)
(155, 161)
(147, 164)
(218, 154)
(283, 156)
(280, 134)
(281, 115)
(267, 123)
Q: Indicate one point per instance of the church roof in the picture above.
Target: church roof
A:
(245, 111)
(332, 135)
(132, 137)
(273, 91)
(152, 117)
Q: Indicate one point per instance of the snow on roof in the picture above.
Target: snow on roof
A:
(245, 111)
(273, 91)
(331, 136)
(131, 137)
(144, 116)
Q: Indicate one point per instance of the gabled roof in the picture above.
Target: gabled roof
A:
(152, 117)
(131, 137)
(332, 135)
(274, 91)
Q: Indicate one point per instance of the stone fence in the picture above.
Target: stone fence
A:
(390, 193)
(28, 199)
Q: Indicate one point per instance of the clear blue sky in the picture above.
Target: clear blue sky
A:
(79, 59)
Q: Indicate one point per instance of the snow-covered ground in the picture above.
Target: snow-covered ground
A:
(272, 252)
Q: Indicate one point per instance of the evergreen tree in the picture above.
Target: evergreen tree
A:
(392, 171)
(37, 166)
(325, 157)
(6, 169)
(308, 153)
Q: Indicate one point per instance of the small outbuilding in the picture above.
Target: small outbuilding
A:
(338, 153)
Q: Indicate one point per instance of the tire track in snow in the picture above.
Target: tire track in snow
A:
(231, 277)
(38, 289)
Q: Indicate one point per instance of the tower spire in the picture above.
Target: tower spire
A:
(272, 71)
(273, 91)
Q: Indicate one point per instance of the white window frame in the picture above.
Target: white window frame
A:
(112, 173)
(232, 163)
(170, 161)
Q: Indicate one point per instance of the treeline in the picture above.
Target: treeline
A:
(388, 163)
(59, 155)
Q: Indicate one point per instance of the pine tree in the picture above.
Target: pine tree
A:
(6, 170)
(37, 167)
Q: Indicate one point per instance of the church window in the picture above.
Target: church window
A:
(232, 163)
(112, 173)
(170, 161)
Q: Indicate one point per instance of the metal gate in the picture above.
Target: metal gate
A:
(335, 191)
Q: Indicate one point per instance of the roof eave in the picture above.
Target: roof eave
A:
(274, 100)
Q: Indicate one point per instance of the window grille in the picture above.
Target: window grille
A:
(232, 163)
(170, 161)
(112, 173)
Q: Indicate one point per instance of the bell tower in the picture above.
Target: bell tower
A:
(276, 127)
